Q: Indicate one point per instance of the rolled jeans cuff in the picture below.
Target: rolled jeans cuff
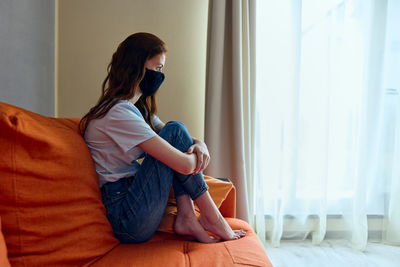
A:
(194, 186)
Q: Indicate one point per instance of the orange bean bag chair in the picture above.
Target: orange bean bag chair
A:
(51, 212)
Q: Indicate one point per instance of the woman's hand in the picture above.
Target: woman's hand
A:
(203, 156)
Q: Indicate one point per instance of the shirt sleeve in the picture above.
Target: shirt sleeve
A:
(156, 121)
(126, 128)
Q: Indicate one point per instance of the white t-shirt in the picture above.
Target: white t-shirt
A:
(113, 141)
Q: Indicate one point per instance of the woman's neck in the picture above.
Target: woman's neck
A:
(135, 98)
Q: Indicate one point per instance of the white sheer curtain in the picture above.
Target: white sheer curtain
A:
(327, 136)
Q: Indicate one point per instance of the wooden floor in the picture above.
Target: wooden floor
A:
(332, 254)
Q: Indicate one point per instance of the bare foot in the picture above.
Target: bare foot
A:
(189, 225)
(240, 232)
(221, 228)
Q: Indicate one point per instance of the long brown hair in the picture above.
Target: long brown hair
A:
(124, 74)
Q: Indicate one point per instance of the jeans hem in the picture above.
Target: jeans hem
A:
(199, 194)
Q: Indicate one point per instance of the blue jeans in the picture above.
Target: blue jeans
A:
(135, 205)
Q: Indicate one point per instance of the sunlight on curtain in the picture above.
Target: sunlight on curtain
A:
(327, 132)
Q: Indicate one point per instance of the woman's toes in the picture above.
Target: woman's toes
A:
(239, 233)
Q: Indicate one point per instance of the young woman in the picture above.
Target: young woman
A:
(122, 127)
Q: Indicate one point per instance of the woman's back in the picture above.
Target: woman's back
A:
(113, 141)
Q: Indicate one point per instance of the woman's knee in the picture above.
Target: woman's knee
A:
(174, 129)
(176, 126)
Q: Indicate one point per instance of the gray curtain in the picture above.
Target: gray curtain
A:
(230, 82)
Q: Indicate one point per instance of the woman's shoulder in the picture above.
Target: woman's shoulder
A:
(124, 108)
(124, 104)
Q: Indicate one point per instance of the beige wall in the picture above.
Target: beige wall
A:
(88, 32)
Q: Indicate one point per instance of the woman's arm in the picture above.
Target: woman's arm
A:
(160, 149)
(199, 148)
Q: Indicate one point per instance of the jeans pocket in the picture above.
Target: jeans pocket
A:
(114, 192)
(116, 196)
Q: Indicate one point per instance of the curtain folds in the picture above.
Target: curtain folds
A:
(229, 114)
(303, 115)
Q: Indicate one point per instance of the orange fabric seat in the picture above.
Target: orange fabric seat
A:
(3, 251)
(173, 250)
(51, 212)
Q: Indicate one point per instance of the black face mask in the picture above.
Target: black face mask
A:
(151, 82)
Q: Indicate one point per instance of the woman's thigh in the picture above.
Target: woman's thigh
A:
(144, 204)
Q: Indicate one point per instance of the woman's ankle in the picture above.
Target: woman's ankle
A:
(208, 209)
(185, 206)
